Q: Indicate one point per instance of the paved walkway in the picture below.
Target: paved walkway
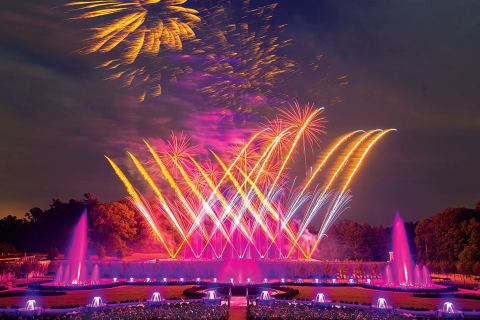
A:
(238, 308)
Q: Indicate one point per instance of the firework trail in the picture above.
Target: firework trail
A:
(138, 26)
(135, 37)
(241, 58)
(246, 202)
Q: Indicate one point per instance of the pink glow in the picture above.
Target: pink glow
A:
(402, 261)
(77, 253)
(240, 270)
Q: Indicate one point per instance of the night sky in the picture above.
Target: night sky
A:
(411, 65)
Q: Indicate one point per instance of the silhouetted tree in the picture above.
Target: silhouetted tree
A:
(7, 248)
(350, 240)
(112, 226)
(447, 242)
(469, 257)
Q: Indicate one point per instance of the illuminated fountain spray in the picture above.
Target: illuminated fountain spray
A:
(95, 278)
(212, 295)
(156, 297)
(382, 303)
(426, 277)
(448, 307)
(75, 272)
(401, 271)
(97, 302)
(320, 298)
(265, 295)
(402, 261)
(30, 306)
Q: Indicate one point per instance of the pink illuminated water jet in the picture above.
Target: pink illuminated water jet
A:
(78, 252)
(75, 270)
(402, 272)
(402, 261)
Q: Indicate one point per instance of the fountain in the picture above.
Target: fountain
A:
(388, 275)
(59, 275)
(382, 303)
(78, 252)
(211, 298)
(96, 303)
(417, 276)
(211, 295)
(75, 272)
(156, 297)
(320, 298)
(401, 271)
(448, 311)
(448, 307)
(265, 295)
(95, 278)
(426, 277)
(240, 270)
(402, 262)
(31, 307)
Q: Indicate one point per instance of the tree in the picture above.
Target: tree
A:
(113, 226)
(7, 248)
(14, 230)
(447, 242)
(350, 240)
(469, 258)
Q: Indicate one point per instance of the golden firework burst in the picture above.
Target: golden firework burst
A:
(136, 26)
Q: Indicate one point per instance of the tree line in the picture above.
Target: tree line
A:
(447, 242)
(114, 228)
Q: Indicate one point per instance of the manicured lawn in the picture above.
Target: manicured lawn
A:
(361, 295)
(397, 299)
(82, 297)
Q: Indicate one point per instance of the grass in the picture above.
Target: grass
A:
(397, 299)
(352, 294)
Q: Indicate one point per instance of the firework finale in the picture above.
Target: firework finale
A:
(244, 203)
(239, 159)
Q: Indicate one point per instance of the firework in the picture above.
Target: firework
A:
(240, 54)
(135, 37)
(230, 50)
(296, 116)
(139, 26)
(147, 76)
(251, 205)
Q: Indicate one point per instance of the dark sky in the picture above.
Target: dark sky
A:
(412, 65)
